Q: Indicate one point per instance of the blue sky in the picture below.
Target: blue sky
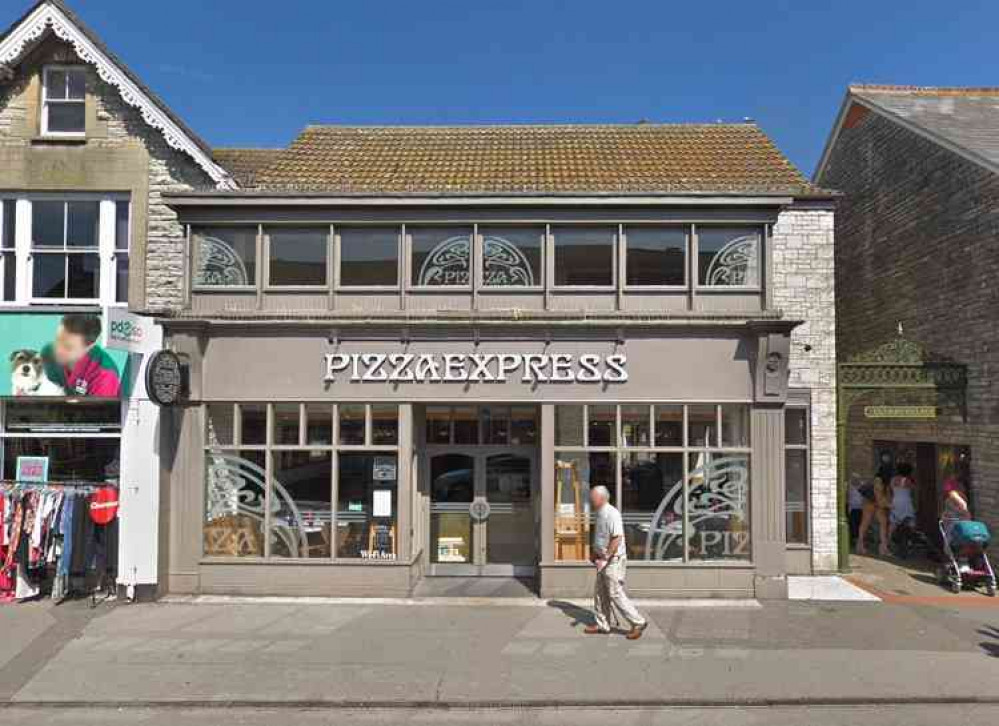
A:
(252, 73)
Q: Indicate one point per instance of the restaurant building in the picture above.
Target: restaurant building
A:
(411, 351)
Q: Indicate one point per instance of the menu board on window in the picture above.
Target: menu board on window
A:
(382, 503)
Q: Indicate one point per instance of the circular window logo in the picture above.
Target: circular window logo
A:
(503, 264)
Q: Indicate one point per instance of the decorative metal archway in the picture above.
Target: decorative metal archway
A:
(898, 366)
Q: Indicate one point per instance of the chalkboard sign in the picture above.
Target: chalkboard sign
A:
(164, 378)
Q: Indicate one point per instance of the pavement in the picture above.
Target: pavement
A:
(233, 661)
(911, 581)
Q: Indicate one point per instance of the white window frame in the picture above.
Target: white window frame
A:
(24, 253)
(46, 101)
(8, 249)
(112, 263)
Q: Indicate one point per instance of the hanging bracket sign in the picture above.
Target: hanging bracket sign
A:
(165, 378)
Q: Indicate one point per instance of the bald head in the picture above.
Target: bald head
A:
(599, 496)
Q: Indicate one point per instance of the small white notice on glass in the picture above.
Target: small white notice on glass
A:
(382, 504)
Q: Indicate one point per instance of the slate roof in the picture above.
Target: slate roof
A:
(965, 117)
(535, 160)
(245, 164)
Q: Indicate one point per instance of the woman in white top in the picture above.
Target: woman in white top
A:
(903, 505)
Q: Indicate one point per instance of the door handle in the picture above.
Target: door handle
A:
(479, 509)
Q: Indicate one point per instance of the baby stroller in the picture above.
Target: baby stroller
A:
(965, 558)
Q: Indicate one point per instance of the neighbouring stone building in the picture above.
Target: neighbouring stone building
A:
(86, 155)
(412, 350)
(917, 234)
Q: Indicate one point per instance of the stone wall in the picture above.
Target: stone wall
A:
(112, 127)
(918, 244)
(804, 289)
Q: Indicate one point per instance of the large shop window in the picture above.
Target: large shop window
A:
(796, 477)
(275, 468)
(79, 441)
(65, 249)
(679, 474)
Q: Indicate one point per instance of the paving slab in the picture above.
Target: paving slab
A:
(20, 625)
(828, 588)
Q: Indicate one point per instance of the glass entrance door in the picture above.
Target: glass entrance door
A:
(482, 513)
(509, 530)
(452, 488)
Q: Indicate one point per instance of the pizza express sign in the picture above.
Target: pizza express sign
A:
(475, 368)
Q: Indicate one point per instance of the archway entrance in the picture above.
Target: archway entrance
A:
(895, 381)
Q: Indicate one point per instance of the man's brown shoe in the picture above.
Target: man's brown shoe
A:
(594, 630)
(636, 631)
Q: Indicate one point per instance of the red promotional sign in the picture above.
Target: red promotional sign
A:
(104, 505)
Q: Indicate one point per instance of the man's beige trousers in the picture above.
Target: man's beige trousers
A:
(610, 593)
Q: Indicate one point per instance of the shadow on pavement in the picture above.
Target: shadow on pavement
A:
(991, 647)
(578, 615)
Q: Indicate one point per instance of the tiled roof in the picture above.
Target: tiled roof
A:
(535, 160)
(245, 164)
(965, 117)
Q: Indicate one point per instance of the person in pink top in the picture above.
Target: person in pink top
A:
(75, 361)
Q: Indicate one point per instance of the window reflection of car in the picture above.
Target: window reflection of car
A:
(513, 475)
(303, 485)
(314, 515)
(455, 485)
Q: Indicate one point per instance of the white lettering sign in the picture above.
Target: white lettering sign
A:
(475, 368)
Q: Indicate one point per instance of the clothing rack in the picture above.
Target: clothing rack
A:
(41, 535)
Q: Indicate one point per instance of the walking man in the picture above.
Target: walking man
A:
(608, 555)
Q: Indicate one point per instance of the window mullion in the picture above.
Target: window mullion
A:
(685, 493)
(335, 495)
(22, 251)
(268, 475)
(106, 250)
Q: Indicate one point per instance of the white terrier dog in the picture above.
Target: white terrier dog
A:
(28, 377)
